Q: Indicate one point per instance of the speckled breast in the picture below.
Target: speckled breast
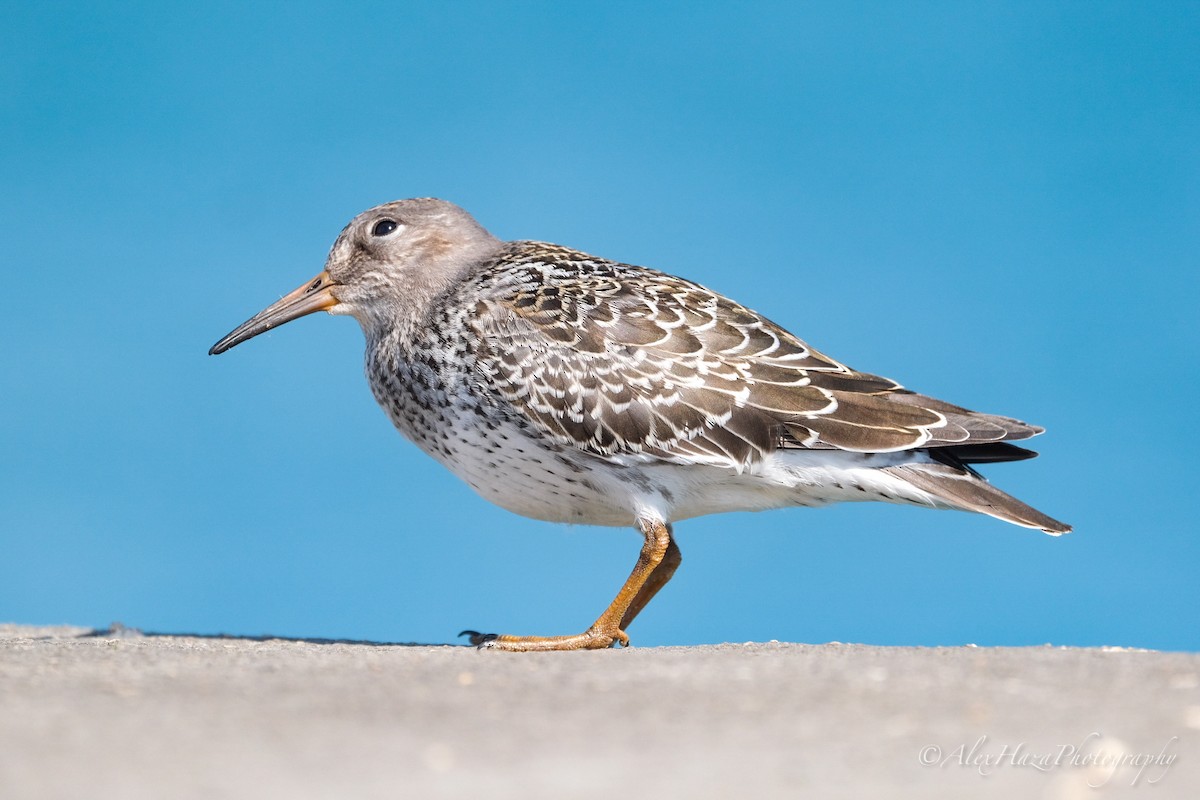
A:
(439, 405)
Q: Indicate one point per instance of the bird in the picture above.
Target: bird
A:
(570, 388)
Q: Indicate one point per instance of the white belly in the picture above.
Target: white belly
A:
(534, 478)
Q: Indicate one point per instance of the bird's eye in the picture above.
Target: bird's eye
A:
(384, 227)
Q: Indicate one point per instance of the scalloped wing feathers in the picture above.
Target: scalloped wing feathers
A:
(621, 360)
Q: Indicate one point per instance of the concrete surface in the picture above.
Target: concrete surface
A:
(131, 716)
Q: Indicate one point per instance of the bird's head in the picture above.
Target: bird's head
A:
(395, 256)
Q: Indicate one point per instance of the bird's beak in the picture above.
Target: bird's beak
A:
(316, 295)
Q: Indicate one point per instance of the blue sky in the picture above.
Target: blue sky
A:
(995, 204)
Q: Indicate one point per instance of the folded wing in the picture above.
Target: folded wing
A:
(620, 360)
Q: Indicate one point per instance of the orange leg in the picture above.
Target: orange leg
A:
(658, 579)
(657, 562)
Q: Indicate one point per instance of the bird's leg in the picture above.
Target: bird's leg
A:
(658, 579)
(659, 553)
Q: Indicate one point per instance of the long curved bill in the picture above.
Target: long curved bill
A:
(312, 296)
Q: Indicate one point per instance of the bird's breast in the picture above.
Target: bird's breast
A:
(495, 450)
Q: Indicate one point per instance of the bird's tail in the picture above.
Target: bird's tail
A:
(960, 487)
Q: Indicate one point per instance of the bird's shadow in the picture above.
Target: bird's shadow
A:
(119, 631)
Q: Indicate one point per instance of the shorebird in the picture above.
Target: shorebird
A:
(571, 388)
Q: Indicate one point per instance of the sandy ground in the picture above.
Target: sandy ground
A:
(131, 716)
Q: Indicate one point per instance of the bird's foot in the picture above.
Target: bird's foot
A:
(593, 638)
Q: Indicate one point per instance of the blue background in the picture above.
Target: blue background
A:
(995, 204)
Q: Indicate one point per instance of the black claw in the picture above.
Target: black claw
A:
(479, 639)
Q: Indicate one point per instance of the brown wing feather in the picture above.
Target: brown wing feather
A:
(621, 360)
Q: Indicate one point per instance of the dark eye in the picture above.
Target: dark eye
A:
(384, 227)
